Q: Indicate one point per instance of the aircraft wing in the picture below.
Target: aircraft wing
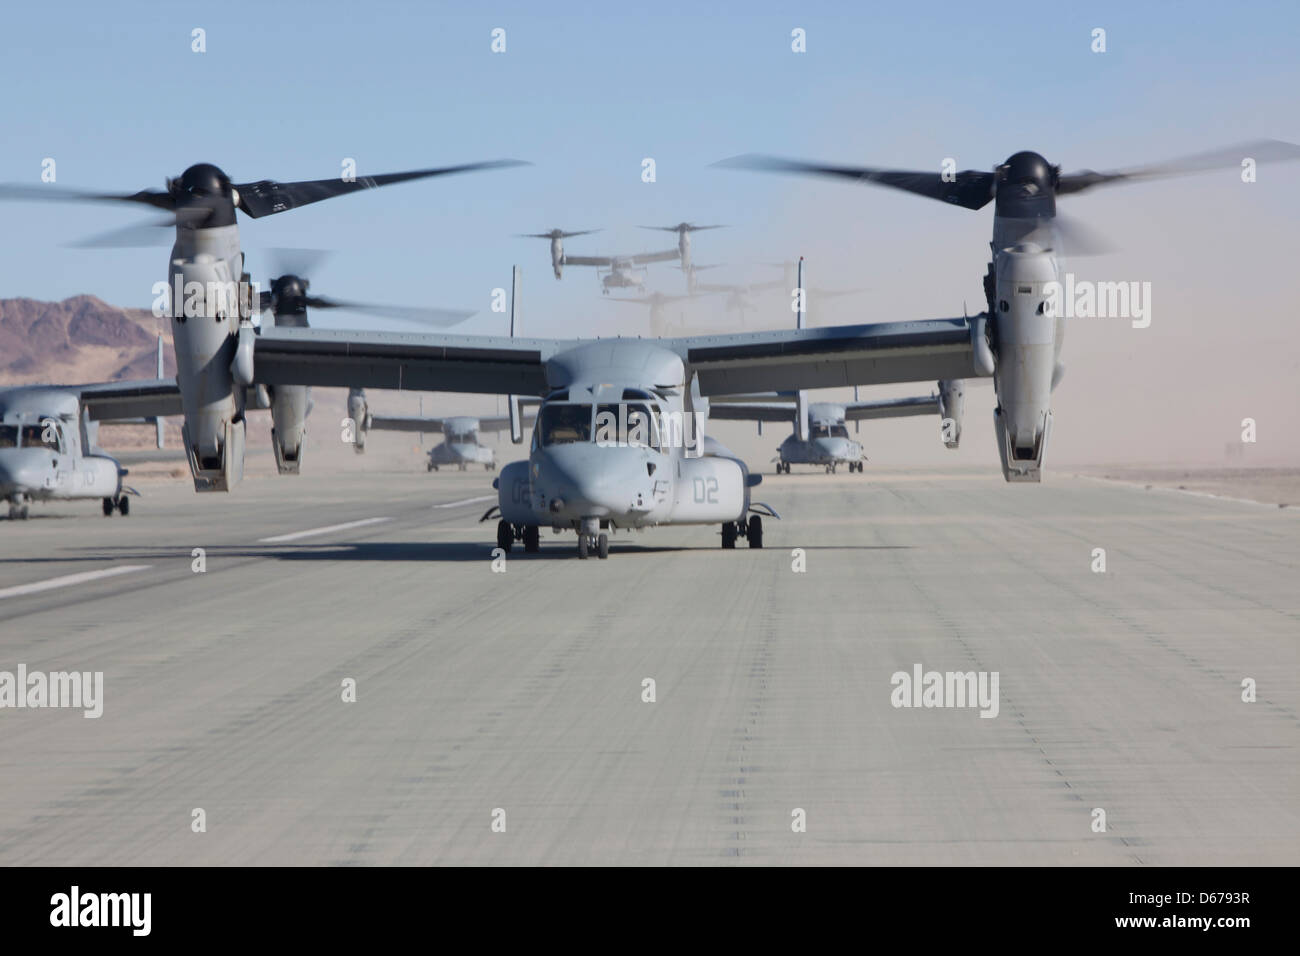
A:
(426, 362)
(643, 258)
(891, 408)
(588, 261)
(836, 356)
(500, 423)
(751, 411)
(138, 398)
(405, 423)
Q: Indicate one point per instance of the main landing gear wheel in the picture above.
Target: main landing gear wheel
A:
(584, 544)
(602, 547)
(532, 539)
(123, 505)
(108, 508)
(729, 535)
(505, 536)
(755, 531)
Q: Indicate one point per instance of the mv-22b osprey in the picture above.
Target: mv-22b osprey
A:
(49, 433)
(460, 446)
(213, 307)
(1022, 284)
(619, 442)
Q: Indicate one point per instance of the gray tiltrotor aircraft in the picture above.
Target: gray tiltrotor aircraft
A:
(214, 333)
(620, 439)
(621, 271)
(1027, 237)
(460, 447)
(826, 441)
(49, 438)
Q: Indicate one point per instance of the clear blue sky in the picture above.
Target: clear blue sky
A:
(114, 94)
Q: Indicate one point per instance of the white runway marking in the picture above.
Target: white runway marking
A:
(328, 528)
(467, 501)
(70, 579)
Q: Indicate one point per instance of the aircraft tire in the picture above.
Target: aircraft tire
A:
(729, 535)
(755, 531)
(108, 507)
(123, 505)
(505, 536)
(602, 547)
(583, 547)
(532, 539)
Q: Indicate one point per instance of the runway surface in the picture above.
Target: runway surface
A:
(522, 691)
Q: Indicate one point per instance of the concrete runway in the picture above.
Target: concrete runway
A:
(522, 691)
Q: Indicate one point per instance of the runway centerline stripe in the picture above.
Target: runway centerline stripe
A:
(70, 579)
(467, 501)
(294, 536)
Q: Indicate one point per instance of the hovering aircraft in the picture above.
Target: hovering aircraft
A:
(49, 435)
(827, 442)
(615, 272)
(1028, 235)
(461, 446)
(213, 332)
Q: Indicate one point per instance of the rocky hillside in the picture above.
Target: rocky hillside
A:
(81, 339)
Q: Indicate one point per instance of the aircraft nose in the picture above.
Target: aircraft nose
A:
(612, 482)
(18, 476)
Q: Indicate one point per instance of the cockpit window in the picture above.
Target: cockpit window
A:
(34, 436)
(8, 436)
(839, 431)
(561, 424)
(629, 423)
(820, 431)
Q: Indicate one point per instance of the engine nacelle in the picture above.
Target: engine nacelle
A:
(952, 406)
(514, 494)
(206, 310)
(359, 412)
(289, 406)
(557, 256)
(1028, 345)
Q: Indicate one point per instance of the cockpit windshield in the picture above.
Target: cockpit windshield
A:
(839, 431)
(627, 423)
(563, 423)
(41, 436)
(8, 436)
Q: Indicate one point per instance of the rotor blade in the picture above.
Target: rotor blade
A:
(303, 263)
(970, 188)
(144, 233)
(1261, 150)
(266, 197)
(684, 226)
(1080, 240)
(555, 234)
(18, 191)
(437, 317)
